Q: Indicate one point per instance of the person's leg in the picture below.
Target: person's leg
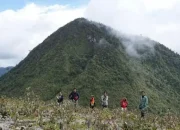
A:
(105, 106)
(125, 109)
(61, 103)
(142, 113)
(75, 104)
(58, 103)
(92, 108)
(122, 109)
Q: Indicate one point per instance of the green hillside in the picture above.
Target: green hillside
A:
(87, 56)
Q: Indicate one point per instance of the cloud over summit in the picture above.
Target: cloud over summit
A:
(156, 19)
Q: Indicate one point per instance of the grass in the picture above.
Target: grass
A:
(33, 114)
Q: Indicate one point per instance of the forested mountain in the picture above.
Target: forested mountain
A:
(93, 58)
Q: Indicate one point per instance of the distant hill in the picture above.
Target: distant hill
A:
(93, 58)
(4, 70)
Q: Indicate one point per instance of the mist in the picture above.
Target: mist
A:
(135, 45)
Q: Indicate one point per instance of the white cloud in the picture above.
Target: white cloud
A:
(152, 5)
(157, 19)
(22, 30)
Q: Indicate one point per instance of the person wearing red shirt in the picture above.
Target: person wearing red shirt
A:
(124, 104)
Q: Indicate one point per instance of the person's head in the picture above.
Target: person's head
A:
(125, 99)
(92, 96)
(142, 93)
(74, 90)
(105, 93)
(60, 93)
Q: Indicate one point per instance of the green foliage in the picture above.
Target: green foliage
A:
(84, 55)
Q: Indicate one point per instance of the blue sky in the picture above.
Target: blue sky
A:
(17, 4)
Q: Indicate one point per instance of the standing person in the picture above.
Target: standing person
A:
(74, 96)
(104, 100)
(143, 104)
(124, 104)
(92, 102)
(60, 98)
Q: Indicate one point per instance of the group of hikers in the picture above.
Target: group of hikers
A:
(74, 96)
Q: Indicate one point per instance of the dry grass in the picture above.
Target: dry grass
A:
(36, 114)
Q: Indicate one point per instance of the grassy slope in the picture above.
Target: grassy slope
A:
(74, 57)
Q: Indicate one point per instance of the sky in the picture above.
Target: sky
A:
(26, 23)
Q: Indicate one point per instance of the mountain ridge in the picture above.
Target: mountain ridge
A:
(4, 70)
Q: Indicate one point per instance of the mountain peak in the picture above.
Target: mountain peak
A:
(81, 19)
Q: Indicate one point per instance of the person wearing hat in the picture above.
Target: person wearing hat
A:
(92, 102)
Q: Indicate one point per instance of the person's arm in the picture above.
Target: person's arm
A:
(107, 98)
(102, 97)
(146, 103)
(70, 95)
(140, 103)
(121, 102)
(78, 95)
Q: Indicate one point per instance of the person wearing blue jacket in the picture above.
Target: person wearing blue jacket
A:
(143, 104)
